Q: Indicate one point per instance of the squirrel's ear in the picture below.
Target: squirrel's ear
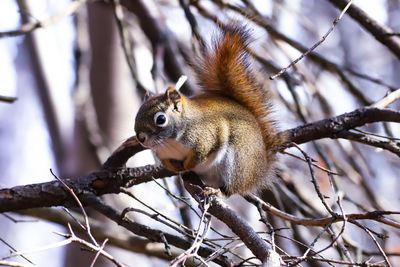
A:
(174, 97)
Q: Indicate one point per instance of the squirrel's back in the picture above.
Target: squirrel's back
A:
(226, 69)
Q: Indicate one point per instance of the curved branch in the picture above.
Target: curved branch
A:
(121, 155)
(372, 215)
(331, 127)
(390, 145)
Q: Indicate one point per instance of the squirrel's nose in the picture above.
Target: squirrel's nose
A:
(142, 137)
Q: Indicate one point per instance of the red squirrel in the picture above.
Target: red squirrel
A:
(224, 134)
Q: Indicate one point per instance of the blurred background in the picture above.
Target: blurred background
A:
(80, 77)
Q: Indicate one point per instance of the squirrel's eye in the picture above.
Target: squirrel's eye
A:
(160, 119)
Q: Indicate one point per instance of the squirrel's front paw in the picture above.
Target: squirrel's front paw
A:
(211, 191)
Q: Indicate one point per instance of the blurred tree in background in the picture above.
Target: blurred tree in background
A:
(80, 69)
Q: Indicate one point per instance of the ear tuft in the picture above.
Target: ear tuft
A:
(148, 95)
(174, 97)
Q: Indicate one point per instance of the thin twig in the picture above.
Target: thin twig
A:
(38, 249)
(374, 240)
(193, 250)
(127, 192)
(87, 225)
(73, 238)
(314, 181)
(372, 215)
(29, 27)
(126, 44)
(314, 164)
(12, 264)
(391, 146)
(315, 45)
(387, 100)
(14, 250)
(155, 217)
(99, 252)
(7, 99)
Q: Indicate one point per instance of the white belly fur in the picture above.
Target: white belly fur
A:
(171, 149)
(211, 171)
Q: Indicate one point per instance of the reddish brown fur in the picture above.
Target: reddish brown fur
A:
(226, 70)
(225, 134)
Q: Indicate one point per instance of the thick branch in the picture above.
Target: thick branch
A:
(331, 128)
(261, 249)
(121, 155)
(110, 180)
(54, 193)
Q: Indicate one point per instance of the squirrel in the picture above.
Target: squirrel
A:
(225, 134)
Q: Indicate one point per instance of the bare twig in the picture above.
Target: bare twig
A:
(14, 250)
(99, 252)
(192, 21)
(126, 44)
(390, 145)
(382, 252)
(149, 233)
(316, 44)
(71, 237)
(200, 236)
(38, 249)
(87, 225)
(372, 215)
(127, 192)
(387, 100)
(12, 264)
(312, 163)
(31, 26)
(332, 126)
(262, 250)
(380, 32)
(7, 99)
(314, 181)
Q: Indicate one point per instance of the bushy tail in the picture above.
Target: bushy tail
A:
(226, 69)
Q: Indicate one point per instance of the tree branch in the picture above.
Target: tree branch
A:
(111, 178)
(7, 99)
(54, 193)
(381, 33)
(372, 215)
(151, 234)
(331, 128)
(261, 249)
(31, 26)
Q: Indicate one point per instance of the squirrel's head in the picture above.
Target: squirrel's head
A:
(159, 118)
